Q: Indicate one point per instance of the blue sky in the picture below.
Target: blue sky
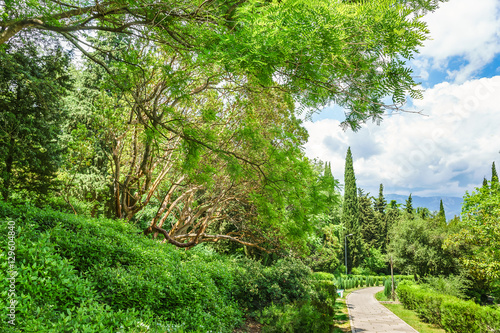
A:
(450, 149)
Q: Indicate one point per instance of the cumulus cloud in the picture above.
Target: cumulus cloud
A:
(461, 28)
(446, 152)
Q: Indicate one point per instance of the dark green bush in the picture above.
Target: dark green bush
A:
(388, 288)
(258, 286)
(296, 317)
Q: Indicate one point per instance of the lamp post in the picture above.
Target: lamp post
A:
(345, 243)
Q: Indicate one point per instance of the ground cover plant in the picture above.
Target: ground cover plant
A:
(102, 275)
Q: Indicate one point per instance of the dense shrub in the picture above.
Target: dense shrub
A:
(449, 312)
(293, 318)
(52, 295)
(388, 288)
(101, 275)
(314, 315)
(258, 286)
(453, 285)
(190, 291)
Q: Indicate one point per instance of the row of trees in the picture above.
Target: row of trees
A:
(421, 242)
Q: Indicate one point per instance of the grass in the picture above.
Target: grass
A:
(409, 316)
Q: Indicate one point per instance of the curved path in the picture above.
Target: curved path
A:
(369, 316)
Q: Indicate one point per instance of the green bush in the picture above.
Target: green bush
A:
(388, 288)
(324, 297)
(453, 285)
(102, 275)
(449, 312)
(296, 317)
(323, 276)
(287, 281)
(52, 295)
(191, 291)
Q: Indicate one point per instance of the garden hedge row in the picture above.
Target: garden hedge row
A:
(449, 312)
(355, 281)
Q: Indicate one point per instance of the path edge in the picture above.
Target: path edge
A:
(393, 314)
(353, 330)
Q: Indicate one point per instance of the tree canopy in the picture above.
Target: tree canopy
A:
(349, 53)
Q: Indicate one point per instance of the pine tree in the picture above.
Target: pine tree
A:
(409, 206)
(380, 203)
(350, 215)
(370, 228)
(494, 175)
(441, 210)
(485, 182)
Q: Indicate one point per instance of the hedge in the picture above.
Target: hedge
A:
(449, 312)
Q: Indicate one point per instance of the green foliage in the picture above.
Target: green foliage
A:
(449, 312)
(409, 205)
(32, 83)
(286, 281)
(375, 261)
(52, 296)
(477, 237)
(371, 226)
(294, 318)
(467, 316)
(388, 288)
(442, 214)
(453, 285)
(494, 174)
(418, 249)
(128, 277)
(314, 315)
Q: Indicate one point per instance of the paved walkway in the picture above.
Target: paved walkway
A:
(369, 316)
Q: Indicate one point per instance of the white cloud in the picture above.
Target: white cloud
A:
(445, 153)
(462, 28)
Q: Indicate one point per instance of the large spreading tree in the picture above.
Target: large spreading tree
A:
(347, 52)
(196, 110)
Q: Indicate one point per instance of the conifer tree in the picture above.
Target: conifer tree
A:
(370, 228)
(485, 182)
(391, 217)
(350, 214)
(328, 170)
(494, 175)
(380, 203)
(409, 205)
(441, 210)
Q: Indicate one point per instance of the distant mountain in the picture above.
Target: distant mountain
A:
(452, 205)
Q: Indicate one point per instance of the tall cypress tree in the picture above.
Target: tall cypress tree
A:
(409, 205)
(494, 175)
(350, 215)
(442, 214)
(485, 182)
(380, 203)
